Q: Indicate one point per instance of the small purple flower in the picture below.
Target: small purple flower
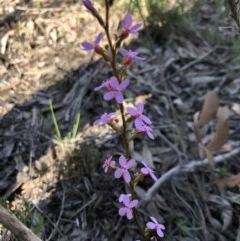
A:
(95, 45)
(104, 119)
(154, 225)
(123, 170)
(130, 55)
(88, 4)
(114, 89)
(108, 163)
(128, 28)
(140, 119)
(146, 129)
(127, 210)
(148, 171)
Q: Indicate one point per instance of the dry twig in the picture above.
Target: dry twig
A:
(9, 221)
(233, 4)
(190, 167)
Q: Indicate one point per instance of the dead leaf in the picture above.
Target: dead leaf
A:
(4, 41)
(231, 181)
(152, 207)
(220, 136)
(196, 127)
(209, 108)
(147, 155)
(236, 108)
(209, 156)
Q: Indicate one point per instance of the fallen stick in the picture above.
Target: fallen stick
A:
(190, 167)
(17, 228)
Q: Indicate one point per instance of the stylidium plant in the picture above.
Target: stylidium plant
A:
(113, 89)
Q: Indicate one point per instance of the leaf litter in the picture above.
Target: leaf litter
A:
(41, 60)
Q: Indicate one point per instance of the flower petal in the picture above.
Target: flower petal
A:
(138, 123)
(124, 84)
(126, 176)
(151, 225)
(131, 111)
(127, 22)
(87, 46)
(130, 163)
(153, 176)
(122, 161)
(109, 95)
(140, 107)
(118, 173)
(139, 58)
(99, 87)
(144, 171)
(123, 51)
(114, 82)
(146, 119)
(160, 232)
(135, 27)
(126, 199)
(144, 164)
(97, 122)
(122, 197)
(122, 211)
(129, 214)
(150, 135)
(119, 97)
(98, 39)
(133, 203)
(154, 220)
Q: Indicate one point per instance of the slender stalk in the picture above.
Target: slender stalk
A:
(124, 132)
(113, 51)
(135, 214)
(116, 74)
(124, 135)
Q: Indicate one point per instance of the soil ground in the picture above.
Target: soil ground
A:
(58, 188)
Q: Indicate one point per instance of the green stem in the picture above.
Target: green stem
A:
(113, 51)
(124, 132)
(135, 214)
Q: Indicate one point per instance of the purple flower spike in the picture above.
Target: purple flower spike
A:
(88, 4)
(154, 225)
(128, 28)
(104, 119)
(114, 89)
(127, 210)
(146, 129)
(123, 170)
(95, 45)
(130, 55)
(140, 119)
(148, 171)
(108, 163)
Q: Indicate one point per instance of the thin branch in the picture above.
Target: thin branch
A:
(17, 228)
(190, 167)
(234, 8)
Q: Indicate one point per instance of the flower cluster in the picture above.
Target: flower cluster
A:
(114, 89)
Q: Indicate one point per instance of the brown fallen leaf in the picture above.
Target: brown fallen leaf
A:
(231, 181)
(209, 108)
(220, 136)
(236, 108)
(147, 155)
(196, 127)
